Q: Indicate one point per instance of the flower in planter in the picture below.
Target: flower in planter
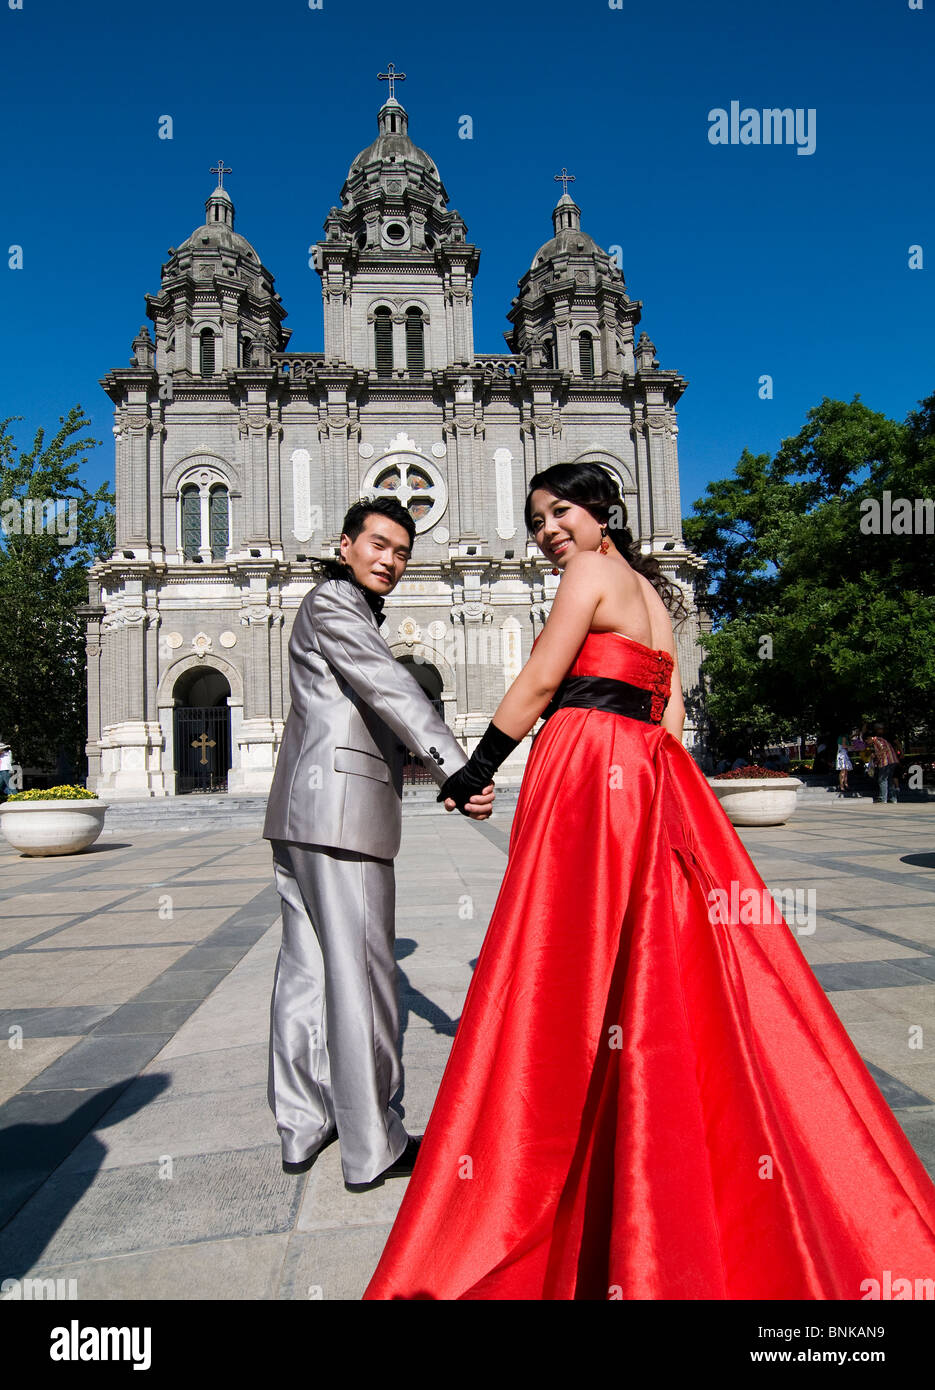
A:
(68, 793)
(750, 772)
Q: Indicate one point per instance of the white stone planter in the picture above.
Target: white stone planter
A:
(52, 827)
(757, 800)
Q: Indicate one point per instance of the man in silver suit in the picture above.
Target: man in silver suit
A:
(334, 818)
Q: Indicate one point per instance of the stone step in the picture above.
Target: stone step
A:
(166, 813)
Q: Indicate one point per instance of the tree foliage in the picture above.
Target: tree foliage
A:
(818, 623)
(45, 552)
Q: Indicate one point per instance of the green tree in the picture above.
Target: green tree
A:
(53, 528)
(818, 623)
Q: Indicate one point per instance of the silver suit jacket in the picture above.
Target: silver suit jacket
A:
(355, 710)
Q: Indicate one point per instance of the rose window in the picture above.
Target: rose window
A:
(414, 483)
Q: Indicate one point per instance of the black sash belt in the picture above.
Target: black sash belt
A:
(601, 692)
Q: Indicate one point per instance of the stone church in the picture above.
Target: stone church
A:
(237, 457)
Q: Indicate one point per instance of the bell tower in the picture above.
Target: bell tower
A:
(396, 267)
(572, 313)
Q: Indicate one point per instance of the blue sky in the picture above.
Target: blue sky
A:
(749, 260)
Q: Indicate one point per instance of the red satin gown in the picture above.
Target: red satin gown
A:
(641, 1103)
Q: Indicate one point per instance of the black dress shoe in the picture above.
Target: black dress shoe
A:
(301, 1167)
(400, 1167)
(304, 1164)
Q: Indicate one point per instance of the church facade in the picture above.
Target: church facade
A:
(237, 457)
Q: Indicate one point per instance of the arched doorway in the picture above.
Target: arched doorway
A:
(431, 682)
(202, 731)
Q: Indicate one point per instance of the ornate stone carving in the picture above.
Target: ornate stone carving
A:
(409, 631)
(255, 613)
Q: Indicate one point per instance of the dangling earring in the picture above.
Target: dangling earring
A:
(555, 571)
(605, 541)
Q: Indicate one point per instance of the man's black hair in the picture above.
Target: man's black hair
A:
(389, 507)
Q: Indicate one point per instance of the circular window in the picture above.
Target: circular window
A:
(413, 482)
(395, 231)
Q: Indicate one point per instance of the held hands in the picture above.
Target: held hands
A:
(472, 784)
(480, 805)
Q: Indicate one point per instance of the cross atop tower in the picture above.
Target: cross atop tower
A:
(391, 76)
(220, 171)
(564, 178)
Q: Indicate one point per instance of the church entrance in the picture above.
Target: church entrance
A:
(428, 677)
(202, 731)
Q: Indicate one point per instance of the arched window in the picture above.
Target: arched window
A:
(219, 521)
(586, 355)
(206, 358)
(204, 514)
(415, 342)
(383, 339)
(191, 521)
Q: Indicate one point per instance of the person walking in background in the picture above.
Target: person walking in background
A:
(843, 764)
(6, 770)
(885, 764)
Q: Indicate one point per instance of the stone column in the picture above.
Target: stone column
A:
(121, 478)
(254, 432)
(257, 738)
(229, 334)
(333, 299)
(136, 504)
(182, 354)
(658, 473)
(274, 480)
(338, 433)
(92, 613)
(564, 358)
(643, 470)
(399, 343)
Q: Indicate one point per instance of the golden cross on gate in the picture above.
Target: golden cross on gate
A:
(564, 178)
(220, 171)
(203, 742)
(391, 76)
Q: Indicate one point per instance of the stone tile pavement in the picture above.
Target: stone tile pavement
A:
(138, 1153)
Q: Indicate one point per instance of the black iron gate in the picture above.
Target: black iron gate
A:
(202, 748)
(415, 773)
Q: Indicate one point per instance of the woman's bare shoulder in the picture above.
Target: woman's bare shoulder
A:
(659, 619)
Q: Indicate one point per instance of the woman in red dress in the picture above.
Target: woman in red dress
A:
(649, 1096)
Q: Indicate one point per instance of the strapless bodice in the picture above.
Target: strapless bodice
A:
(615, 656)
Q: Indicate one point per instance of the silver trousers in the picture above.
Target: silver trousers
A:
(334, 1018)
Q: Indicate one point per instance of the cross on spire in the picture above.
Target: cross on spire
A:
(220, 171)
(391, 76)
(564, 178)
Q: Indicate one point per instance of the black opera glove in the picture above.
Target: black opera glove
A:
(478, 771)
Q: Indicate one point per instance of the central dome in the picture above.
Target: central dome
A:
(394, 145)
(393, 156)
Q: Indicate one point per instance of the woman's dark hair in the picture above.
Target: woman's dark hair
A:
(330, 567)
(590, 486)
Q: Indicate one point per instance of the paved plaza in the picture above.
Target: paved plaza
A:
(139, 1154)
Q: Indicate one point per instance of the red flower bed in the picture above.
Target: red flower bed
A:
(752, 771)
